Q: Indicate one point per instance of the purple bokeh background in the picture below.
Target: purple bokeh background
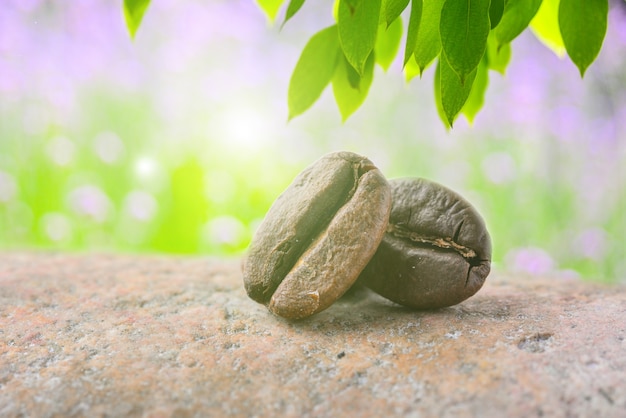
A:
(544, 160)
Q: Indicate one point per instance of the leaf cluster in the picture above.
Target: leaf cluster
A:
(465, 39)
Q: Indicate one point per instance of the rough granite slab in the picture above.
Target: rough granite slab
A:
(120, 335)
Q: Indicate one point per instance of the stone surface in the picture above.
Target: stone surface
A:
(104, 335)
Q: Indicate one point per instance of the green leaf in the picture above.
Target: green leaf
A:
(388, 42)
(516, 17)
(464, 27)
(545, 26)
(413, 30)
(428, 43)
(336, 10)
(583, 26)
(314, 70)
(476, 98)
(352, 4)
(411, 69)
(133, 14)
(438, 105)
(498, 57)
(349, 98)
(270, 7)
(292, 9)
(453, 93)
(392, 10)
(353, 77)
(495, 12)
(357, 21)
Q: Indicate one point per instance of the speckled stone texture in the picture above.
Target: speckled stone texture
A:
(104, 335)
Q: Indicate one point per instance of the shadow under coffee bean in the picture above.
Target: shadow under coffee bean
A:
(436, 252)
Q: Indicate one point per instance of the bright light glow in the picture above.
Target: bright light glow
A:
(150, 173)
(243, 128)
(146, 167)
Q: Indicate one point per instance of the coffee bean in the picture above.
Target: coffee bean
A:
(318, 236)
(436, 252)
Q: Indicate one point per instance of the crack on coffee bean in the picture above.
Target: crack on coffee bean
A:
(446, 243)
(359, 168)
(365, 165)
(469, 272)
(474, 262)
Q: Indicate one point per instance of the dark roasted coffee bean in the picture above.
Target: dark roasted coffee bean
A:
(318, 236)
(436, 252)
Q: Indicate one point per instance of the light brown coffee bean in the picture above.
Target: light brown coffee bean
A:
(436, 252)
(318, 236)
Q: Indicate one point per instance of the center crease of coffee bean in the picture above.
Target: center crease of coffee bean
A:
(445, 243)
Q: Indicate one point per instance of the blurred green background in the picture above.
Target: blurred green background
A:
(178, 142)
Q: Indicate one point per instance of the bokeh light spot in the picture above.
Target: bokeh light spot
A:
(150, 173)
(529, 260)
(108, 147)
(146, 167)
(61, 150)
(141, 205)
(20, 219)
(57, 227)
(591, 243)
(225, 230)
(8, 187)
(91, 201)
(34, 120)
